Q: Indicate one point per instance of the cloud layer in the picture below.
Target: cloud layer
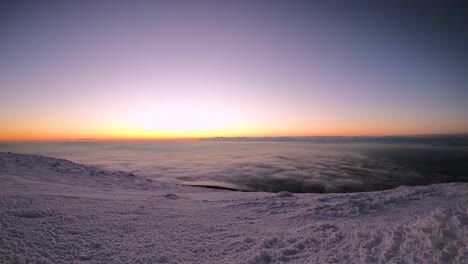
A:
(270, 166)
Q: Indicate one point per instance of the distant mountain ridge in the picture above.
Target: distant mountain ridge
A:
(433, 139)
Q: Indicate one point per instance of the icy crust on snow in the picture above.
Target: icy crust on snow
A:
(56, 211)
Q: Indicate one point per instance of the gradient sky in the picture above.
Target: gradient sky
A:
(180, 69)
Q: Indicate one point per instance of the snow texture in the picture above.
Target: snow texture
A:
(57, 211)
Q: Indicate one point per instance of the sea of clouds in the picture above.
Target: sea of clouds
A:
(272, 166)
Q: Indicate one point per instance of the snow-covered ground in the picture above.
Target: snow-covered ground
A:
(55, 211)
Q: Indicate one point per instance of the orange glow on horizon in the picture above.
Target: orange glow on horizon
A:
(28, 134)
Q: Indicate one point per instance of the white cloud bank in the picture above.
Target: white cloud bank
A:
(270, 166)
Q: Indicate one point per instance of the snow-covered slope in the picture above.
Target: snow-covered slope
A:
(55, 211)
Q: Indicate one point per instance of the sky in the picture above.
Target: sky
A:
(190, 69)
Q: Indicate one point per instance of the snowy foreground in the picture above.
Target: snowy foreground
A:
(54, 211)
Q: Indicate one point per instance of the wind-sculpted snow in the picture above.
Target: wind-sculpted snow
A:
(57, 211)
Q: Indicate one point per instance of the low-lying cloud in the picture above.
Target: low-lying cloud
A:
(273, 166)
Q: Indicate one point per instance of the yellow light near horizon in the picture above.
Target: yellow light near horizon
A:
(184, 120)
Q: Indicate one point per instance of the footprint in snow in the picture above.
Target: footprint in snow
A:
(171, 196)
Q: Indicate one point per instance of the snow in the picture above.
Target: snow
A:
(56, 211)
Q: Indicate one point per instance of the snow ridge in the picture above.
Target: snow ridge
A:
(57, 211)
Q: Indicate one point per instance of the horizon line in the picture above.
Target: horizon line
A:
(230, 137)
